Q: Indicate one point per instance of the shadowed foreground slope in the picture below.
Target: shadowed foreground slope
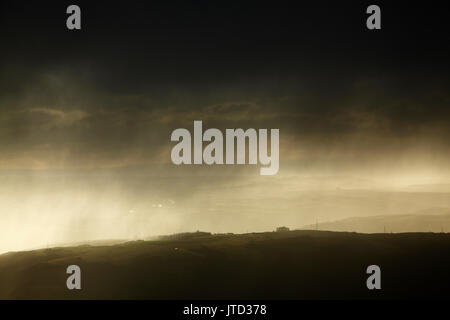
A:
(288, 265)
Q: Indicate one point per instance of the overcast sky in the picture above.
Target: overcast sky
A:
(111, 94)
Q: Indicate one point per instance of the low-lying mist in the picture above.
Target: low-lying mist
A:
(57, 207)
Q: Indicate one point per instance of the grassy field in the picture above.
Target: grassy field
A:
(285, 265)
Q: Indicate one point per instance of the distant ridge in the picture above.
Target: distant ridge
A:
(430, 220)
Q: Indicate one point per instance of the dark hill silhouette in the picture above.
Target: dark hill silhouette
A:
(276, 265)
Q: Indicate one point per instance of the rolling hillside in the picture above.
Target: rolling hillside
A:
(285, 265)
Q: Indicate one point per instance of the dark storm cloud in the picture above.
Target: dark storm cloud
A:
(112, 93)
